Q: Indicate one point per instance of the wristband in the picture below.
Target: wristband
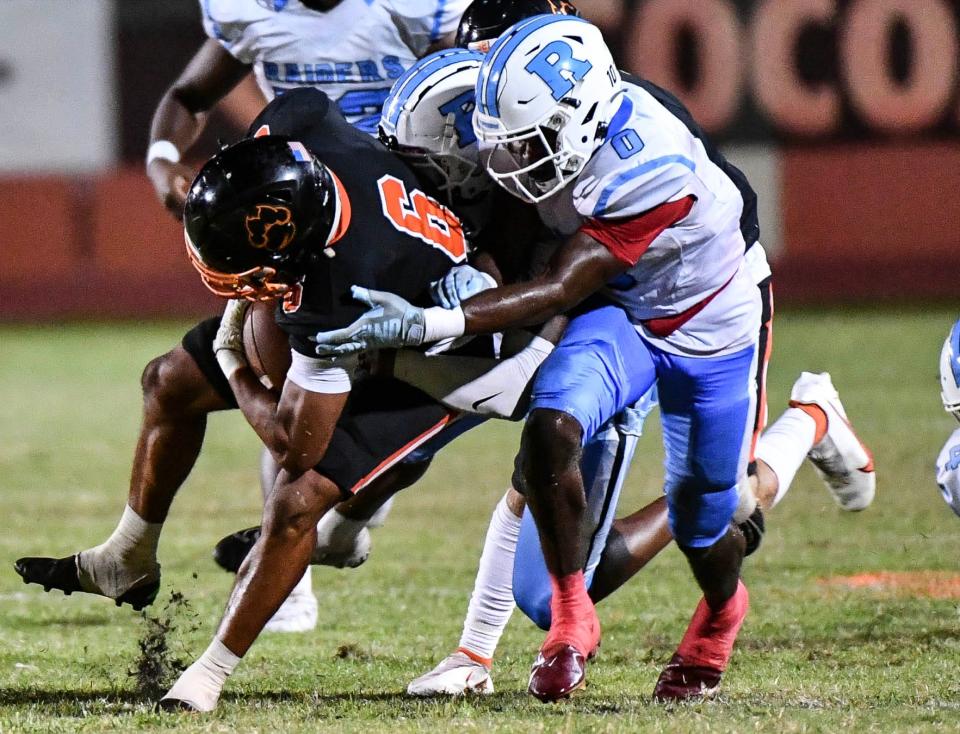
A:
(442, 323)
(163, 149)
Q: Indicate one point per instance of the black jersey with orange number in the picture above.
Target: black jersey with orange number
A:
(392, 236)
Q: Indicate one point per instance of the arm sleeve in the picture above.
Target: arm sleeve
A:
(627, 239)
(422, 23)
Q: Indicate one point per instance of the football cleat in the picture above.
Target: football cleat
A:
(695, 670)
(682, 682)
(556, 674)
(297, 614)
(455, 675)
(561, 666)
(840, 458)
(231, 551)
(64, 574)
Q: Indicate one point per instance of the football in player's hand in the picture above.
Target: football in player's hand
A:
(265, 346)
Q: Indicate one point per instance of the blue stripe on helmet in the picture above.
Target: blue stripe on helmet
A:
(413, 77)
(955, 352)
(500, 52)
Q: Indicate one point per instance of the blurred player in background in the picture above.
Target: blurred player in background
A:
(351, 49)
(948, 462)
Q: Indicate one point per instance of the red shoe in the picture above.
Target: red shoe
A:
(556, 675)
(561, 666)
(695, 669)
(682, 682)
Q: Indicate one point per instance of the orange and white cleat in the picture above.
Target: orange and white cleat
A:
(840, 458)
(458, 674)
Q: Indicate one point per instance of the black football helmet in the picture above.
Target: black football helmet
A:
(257, 215)
(484, 20)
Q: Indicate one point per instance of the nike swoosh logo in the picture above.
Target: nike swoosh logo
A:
(478, 403)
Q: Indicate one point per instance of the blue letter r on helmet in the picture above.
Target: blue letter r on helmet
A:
(550, 63)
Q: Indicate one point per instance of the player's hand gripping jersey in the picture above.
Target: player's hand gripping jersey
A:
(353, 52)
(391, 234)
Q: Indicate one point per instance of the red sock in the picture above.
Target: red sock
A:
(710, 636)
(573, 618)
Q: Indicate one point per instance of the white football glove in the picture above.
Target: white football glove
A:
(390, 322)
(459, 284)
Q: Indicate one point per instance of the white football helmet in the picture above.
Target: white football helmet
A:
(427, 119)
(546, 91)
(950, 372)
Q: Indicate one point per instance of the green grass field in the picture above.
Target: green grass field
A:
(811, 657)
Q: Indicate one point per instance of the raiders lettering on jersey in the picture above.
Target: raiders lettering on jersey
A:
(353, 52)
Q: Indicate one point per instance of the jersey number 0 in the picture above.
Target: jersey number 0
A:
(417, 214)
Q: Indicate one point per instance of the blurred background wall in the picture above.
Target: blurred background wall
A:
(844, 113)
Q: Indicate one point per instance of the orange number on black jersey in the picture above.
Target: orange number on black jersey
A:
(417, 214)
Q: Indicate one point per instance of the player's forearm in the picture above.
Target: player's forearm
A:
(174, 122)
(514, 306)
(258, 405)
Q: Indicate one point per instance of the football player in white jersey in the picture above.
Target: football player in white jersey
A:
(351, 49)
(423, 121)
(948, 463)
(632, 188)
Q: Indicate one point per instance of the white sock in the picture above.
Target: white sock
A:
(491, 603)
(378, 518)
(336, 531)
(784, 446)
(304, 585)
(201, 683)
(128, 557)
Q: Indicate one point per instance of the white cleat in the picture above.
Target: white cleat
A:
(841, 459)
(456, 675)
(298, 613)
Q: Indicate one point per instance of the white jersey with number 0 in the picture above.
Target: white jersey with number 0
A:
(354, 52)
(650, 158)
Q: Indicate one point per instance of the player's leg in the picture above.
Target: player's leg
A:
(600, 367)
(512, 566)
(706, 405)
(372, 435)
(606, 461)
(270, 572)
(179, 389)
(816, 426)
(467, 669)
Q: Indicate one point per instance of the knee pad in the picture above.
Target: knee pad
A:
(699, 519)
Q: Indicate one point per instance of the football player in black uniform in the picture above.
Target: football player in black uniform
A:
(277, 217)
